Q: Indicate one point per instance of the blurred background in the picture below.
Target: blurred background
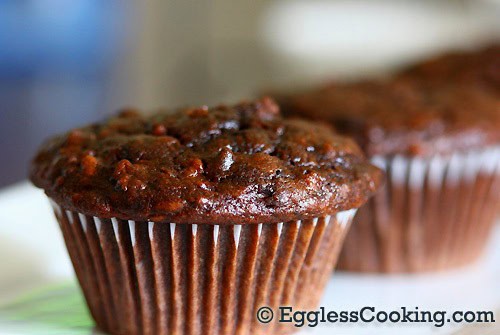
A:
(64, 63)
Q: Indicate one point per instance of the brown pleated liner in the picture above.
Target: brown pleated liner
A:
(432, 214)
(176, 279)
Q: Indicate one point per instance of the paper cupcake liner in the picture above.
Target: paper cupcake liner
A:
(167, 278)
(432, 214)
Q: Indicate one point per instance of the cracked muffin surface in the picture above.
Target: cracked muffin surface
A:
(205, 165)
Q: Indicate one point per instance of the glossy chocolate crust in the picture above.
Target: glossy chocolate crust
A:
(220, 165)
(428, 109)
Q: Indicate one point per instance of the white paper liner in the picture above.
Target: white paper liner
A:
(432, 214)
(168, 278)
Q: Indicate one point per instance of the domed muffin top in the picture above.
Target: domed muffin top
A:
(221, 165)
(405, 116)
(479, 67)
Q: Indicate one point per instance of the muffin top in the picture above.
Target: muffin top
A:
(480, 67)
(405, 116)
(221, 165)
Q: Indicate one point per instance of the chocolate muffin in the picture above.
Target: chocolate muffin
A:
(479, 68)
(187, 222)
(439, 143)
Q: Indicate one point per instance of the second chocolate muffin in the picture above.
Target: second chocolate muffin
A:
(439, 142)
(188, 222)
(479, 68)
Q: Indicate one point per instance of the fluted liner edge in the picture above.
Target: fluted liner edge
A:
(188, 279)
(433, 213)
